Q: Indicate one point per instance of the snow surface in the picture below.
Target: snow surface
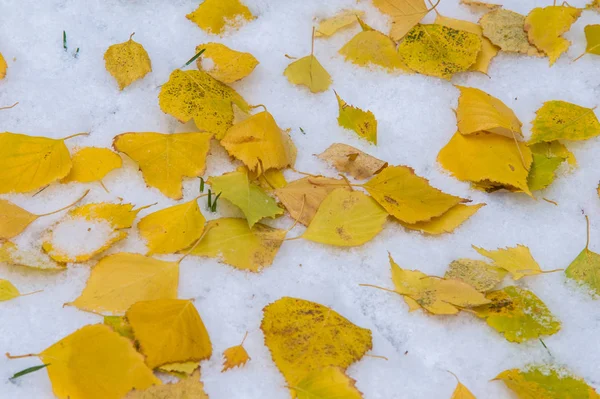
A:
(78, 236)
(60, 95)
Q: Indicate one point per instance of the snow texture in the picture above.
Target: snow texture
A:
(61, 94)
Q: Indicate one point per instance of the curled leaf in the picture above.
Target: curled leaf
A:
(352, 161)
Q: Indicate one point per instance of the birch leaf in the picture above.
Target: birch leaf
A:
(342, 20)
(447, 222)
(327, 383)
(8, 291)
(517, 261)
(214, 16)
(592, 37)
(236, 356)
(309, 72)
(119, 280)
(352, 161)
(172, 229)
(361, 122)
(547, 157)
(168, 331)
(120, 216)
(560, 120)
(120, 325)
(224, 64)
(506, 29)
(305, 337)
(232, 242)
(480, 275)
(127, 62)
(95, 362)
(405, 14)
(12, 254)
(346, 219)
(373, 47)
(165, 159)
(3, 67)
(187, 388)
(480, 4)
(92, 164)
(585, 268)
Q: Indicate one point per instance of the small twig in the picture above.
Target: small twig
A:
(9, 107)
(244, 339)
(76, 135)
(379, 288)
(377, 357)
(8, 355)
(65, 207)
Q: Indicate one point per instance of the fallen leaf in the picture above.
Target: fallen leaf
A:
(505, 29)
(461, 391)
(92, 164)
(303, 197)
(225, 64)
(518, 314)
(236, 356)
(547, 157)
(120, 325)
(342, 20)
(120, 216)
(214, 16)
(165, 159)
(270, 180)
(11, 253)
(560, 120)
(518, 260)
(187, 388)
(309, 72)
(119, 280)
(8, 291)
(95, 362)
(405, 14)
(232, 242)
(373, 47)
(172, 229)
(260, 144)
(545, 26)
(592, 37)
(435, 294)
(408, 197)
(440, 51)
(327, 383)
(305, 337)
(487, 157)
(480, 4)
(168, 331)
(585, 268)
(197, 95)
(593, 5)
(181, 370)
(236, 188)
(29, 163)
(352, 161)
(447, 222)
(363, 123)
(480, 275)
(3, 67)
(127, 62)
(346, 219)
(480, 112)
(488, 50)
(546, 382)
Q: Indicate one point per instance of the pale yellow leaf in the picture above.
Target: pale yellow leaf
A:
(35, 259)
(327, 383)
(518, 260)
(373, 47)
(405, 14)
(447, 222)
(91, 164)
(127, 62)
(214, 16)
(187, 388)
(352, 161)
(505, 29)
(309, 72)
(8, 291)
(361, 122)
(225, 64)
(342, 20)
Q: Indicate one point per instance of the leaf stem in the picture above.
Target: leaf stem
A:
(8, 355)
(76, 135)
(379, 288)
(587, 241)
(9, 107)
(65, 207)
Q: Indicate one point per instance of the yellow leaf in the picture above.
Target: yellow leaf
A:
(127, 62)
(593, 5)
(505, 29)
(437, 50)
(29, 163)
(518, 314)
(120, 325)
(260, 144)
(479, 112)
(372, 47)
(545, 26)
(478, 274)
(346, 219)
(3, 67)
(165, 159)
(172, 229)
(547, 157)
(303, 197)
(480, 4)
(405, 14)
(305, 337)
(342, 20)
(95, 362)
(225, 64)
(180, 369)
(518, 260)
(8, 291)
(309, 72)
(461, 391)
(352, 161)
(327, 383)
(118, 281)
(487, 157)
(91, 164)
(214, 16)
(560, 120)
(197, 95)
(236, 356)
(12, 254)
(488, 50)
(236, 188)
(447, 222)
(544, 382)
(187, 388)
(120, 216)
(168, 331)
(363, 123)
(592, 37)
(585, 268)
(231, 241)
(408, 197)
(270, 180)
(435, 294)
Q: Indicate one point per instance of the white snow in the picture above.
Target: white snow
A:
(60, 95)
(78, 236)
